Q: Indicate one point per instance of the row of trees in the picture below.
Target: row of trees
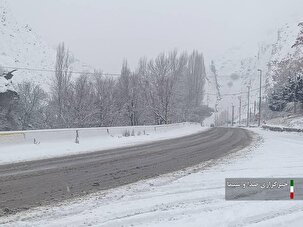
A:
(288, 87)
(163, 90)
(288, 78)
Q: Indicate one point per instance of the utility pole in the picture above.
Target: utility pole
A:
(295, 95)
(260, 97)
(255, 106)
(232, 114)
(240, 107)
(248, 94)
(227, 116)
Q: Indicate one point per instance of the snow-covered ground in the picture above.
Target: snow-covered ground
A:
(40, 144)
(292, 121)
(193, 197)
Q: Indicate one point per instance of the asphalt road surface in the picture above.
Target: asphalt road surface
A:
(30, 184)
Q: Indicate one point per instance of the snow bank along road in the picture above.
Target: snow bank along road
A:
(29, 184)
(21, 146)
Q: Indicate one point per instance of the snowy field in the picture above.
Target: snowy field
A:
(20, 146)
(193, 197)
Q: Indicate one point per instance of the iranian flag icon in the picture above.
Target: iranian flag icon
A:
(292, 190)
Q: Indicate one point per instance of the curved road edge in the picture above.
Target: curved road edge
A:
(30, 184)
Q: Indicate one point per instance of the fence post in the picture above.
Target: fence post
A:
(77, 137)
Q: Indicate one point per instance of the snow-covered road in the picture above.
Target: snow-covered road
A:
(193, 197)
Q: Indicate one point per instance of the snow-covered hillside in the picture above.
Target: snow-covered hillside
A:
(21, 47)
(238, 68)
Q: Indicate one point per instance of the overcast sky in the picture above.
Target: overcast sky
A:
(104, 32)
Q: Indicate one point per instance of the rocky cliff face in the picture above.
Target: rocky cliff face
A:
(8, 112)
(8, 105)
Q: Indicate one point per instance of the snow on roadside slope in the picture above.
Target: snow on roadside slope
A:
(293, 121)
(194, 197)
(19, 146)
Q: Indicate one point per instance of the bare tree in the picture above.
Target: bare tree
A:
(62, 86)
(196, 78)
(104, 101)
(164, 73)
(32, 100)
(299, 40)
(83, 102)
(128, 96)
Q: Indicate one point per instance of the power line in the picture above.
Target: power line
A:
(53, 71)
(73, 72)
(229, 76)
(238, 93)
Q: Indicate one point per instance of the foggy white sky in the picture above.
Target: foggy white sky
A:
(104, 32)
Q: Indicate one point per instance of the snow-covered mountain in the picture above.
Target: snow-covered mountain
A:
(238, 68)
(21, 47)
